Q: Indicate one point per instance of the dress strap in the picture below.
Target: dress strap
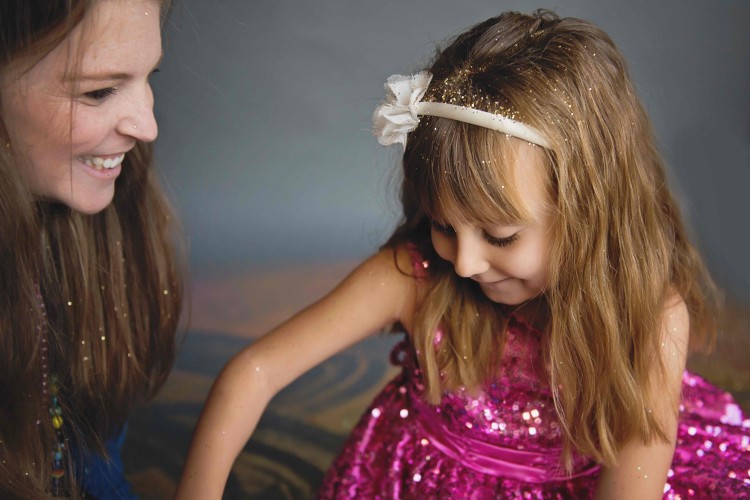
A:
(419, 264)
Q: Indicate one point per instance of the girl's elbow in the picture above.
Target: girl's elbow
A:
(245, 376)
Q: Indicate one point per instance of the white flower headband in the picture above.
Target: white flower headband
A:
(399, 112)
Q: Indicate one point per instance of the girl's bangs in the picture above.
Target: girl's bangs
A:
(464, 173)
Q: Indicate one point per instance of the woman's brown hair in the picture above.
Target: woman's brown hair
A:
(619, 247)
(111, 285)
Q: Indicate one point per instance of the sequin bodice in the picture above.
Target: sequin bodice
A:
(513, 413)
(518, 404)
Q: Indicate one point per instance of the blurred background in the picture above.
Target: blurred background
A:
(264, 110)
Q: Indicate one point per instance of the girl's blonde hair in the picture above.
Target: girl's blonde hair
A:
(618, 249)
(111, 284)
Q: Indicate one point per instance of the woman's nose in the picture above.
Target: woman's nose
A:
(469, 258)
(139, 121)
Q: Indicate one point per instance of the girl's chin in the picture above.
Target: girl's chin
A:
(506, 292)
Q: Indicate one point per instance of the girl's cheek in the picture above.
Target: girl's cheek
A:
(527, 265)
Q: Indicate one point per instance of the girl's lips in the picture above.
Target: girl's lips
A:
(491, 282)
(103, 162)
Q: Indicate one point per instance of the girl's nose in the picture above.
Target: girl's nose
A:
(139, 121)
(469, 258)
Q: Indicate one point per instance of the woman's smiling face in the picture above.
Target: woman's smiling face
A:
(74, 114)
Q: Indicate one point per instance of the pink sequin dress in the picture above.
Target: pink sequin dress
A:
(505, 442)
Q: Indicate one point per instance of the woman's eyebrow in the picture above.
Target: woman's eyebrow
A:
(107, 76)
(99, 77)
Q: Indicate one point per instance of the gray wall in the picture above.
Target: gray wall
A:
(264, 108)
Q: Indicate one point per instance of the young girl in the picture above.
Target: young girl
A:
(546, 286)
(90, 289)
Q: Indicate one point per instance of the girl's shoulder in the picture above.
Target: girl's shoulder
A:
(389, 275)
(675, 328)
(404, 267)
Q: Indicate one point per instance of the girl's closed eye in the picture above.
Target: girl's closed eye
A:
(500, 241)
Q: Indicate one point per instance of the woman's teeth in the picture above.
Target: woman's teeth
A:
(103, 162)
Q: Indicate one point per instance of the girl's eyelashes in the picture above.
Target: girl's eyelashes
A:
(492, 240)
(499, 242)
(100, 94)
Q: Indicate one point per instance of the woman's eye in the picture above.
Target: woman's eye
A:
(500, 242)
(100, 94)
(443, 229)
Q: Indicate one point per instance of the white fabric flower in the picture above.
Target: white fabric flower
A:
(397, 114)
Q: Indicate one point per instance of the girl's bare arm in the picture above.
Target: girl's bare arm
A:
(372, 296)
(642, 468)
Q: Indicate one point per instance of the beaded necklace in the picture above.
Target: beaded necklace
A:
(57, 484)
